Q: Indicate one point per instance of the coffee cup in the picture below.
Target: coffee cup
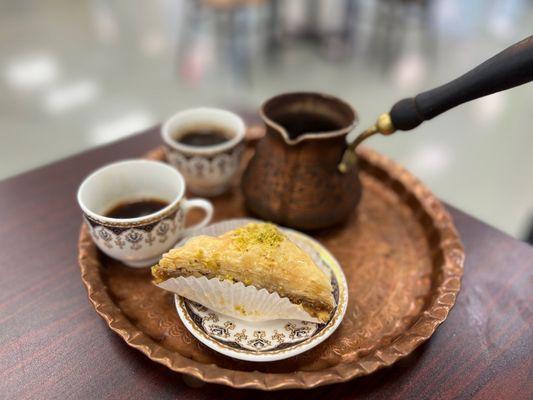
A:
(135, 210)
(206, 146)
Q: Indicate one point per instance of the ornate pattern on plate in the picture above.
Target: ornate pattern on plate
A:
(244, 336)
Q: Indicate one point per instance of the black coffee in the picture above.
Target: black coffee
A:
(136, 208)
(208, 136)
(303, 122)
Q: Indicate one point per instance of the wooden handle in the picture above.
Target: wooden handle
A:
(512, 67)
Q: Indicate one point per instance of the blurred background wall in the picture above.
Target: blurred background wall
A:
(78, 74)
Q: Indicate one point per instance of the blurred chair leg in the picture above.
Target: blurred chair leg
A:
(186, 32)
(312, 27)
(339, 43)
(351, 9)
(429, 40)
(238, 42)
(272, 31)
(529, 236)
(389, 35)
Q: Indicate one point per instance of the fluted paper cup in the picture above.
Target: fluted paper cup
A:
(236, 300)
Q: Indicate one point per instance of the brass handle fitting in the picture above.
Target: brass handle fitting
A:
(383, 125)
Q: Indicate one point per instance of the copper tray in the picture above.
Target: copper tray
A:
(401, 255)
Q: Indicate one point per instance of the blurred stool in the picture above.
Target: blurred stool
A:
(232, 31)
(392, 18)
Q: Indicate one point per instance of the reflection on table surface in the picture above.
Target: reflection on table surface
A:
(79, 74)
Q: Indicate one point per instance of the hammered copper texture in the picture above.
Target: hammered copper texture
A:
(401, 255)
(298, 185)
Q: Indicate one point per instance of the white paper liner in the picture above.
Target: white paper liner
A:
(236, 300)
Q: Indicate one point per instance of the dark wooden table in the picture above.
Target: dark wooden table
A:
(54, 345)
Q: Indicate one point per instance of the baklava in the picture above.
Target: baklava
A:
(257, 254)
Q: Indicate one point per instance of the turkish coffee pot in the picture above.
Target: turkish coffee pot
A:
(304, 174)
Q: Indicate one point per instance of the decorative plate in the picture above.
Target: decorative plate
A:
(268, 340)
(402, 258)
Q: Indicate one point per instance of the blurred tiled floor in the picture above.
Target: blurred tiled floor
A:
(79, 74)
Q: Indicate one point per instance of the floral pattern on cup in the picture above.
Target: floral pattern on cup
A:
(138, 237)
(208, 170)
(207, 175)
(138, 241)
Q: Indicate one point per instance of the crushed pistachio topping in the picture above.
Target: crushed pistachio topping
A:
(199, 254)
(240, 309)
(265, 235)
(227, 277)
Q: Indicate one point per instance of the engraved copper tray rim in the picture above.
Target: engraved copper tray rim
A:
(435, 313)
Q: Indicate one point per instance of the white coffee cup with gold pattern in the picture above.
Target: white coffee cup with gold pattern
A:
(206, 146)
(135, 210)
